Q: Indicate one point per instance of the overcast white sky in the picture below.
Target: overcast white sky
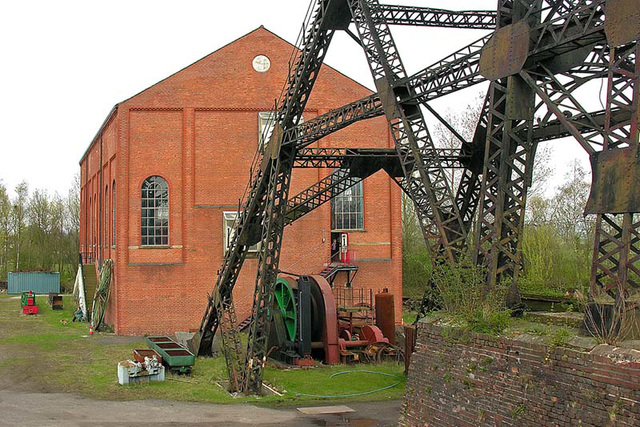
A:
(65, 63)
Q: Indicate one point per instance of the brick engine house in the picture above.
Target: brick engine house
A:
(162, 179)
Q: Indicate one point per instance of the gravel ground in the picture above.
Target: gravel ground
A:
(61, 409)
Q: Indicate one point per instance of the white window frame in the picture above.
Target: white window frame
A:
(155, 209)
(267, 120)
(343, 206)
(228, 219)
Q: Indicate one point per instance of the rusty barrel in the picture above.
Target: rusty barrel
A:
(386, 315)
(410, 335)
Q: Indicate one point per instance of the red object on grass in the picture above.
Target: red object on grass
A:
(30, 309)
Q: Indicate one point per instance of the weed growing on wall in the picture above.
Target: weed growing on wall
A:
(462, 293)
(611, 319)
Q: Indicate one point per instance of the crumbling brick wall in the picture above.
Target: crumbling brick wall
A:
(461, 378)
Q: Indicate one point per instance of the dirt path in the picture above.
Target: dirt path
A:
(26, 401)
(28, 397)
(61, 409)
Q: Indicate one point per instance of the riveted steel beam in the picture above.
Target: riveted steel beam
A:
(261, 219)
(430, 17)
(317, 35)
(507, 165)
(424, 178)
(541, 53)
(382, 158)
(312, 130)
(321, 192)
(615, 268)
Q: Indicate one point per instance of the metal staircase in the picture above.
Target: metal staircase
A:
(332, 268)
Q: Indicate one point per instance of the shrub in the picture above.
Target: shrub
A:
(490, 323)
(610, 320)
(462, 292)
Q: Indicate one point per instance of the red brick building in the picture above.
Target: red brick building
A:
(161, 180)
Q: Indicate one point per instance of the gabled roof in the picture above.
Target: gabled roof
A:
(261, 27)
(114, 110)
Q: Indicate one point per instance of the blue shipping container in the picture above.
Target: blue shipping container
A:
(38, 282)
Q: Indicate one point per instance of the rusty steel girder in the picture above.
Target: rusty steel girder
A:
(430, 17)
(614, 192)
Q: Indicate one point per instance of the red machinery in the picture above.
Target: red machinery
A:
(28, 302)
(306, 326)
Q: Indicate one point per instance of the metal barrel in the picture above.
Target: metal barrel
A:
(386, 315)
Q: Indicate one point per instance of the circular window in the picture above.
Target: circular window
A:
(261, 63)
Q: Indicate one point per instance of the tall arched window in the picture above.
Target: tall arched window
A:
(106, 217)
(154, 225)
(95, 225)
(89, 226)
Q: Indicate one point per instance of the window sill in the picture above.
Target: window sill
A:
(354, 230)
(154, 247)
(155, 254)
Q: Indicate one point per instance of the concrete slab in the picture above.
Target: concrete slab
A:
(571, 319)
(182, 338)
(317, 410)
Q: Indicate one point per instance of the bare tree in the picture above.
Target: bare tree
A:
(464, 124)
(72, 206)
(18, 217)
(569, 202)
(542, 171)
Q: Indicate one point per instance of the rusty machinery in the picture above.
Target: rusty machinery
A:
(537, 59)
(310, 324)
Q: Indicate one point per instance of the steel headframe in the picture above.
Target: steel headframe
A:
(539, 54)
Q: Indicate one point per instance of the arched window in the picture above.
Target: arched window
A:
(154, 225)
(95, 225)
(89, 225)
(106, 216)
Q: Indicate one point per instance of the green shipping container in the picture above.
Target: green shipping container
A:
(38, 282)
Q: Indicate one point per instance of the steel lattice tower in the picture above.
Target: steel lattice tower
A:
(538, 56)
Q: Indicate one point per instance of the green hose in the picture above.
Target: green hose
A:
(356, 394)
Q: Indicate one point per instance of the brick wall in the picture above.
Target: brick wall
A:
(468, 379)
(198, 129)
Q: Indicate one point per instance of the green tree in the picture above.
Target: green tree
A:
(557, 242)
(71, 227)
(5, 232)
(575, 229)
(37, 252)
(416, 262)
(72, 207)
(18, 220)
(39, 231)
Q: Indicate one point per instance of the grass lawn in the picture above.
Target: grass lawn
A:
(48, 355)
